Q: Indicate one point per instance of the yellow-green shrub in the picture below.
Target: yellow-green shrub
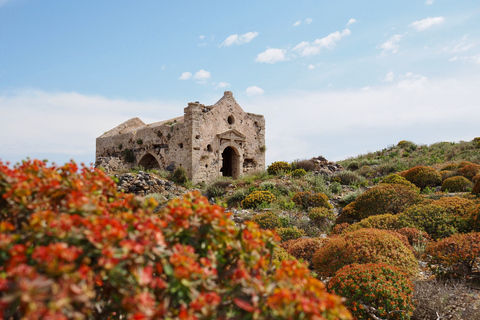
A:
(321, 216)
(267, 220)
(279, 166)
(397, 179)
(290, 233)
(363, 246)
(297, 173)
(456, 205)
(474, 218)
(449, 167)
(257, 197)
(456, 184)
(310, 200)
(382, 199)
(448, 174)
(423, 176)
(382, 221)
(463, 164)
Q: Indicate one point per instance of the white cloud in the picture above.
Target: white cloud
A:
(427, 23)
(411, 82)
(239, 39)
(185, 76)
(311, 67)
(297, 23)
(201, 37)
(428, 2)
(306, 48)
(474, 58)
(308, 20)
(254, 90)
(351, 21)
(202, 75)
(391, 45)
(272, 56)
(223, 85)
(389, 77)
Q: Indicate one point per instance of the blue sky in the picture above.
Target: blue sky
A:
(333, 78)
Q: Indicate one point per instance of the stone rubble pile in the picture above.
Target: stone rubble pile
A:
(145, 183)
(326, 167)
(110, 164)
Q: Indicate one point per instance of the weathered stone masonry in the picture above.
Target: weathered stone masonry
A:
(207, 141)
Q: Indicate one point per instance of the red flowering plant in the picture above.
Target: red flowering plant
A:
(71, 247)
(374, 291)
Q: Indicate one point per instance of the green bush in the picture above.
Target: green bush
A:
(363, 246)
(267, 220)
(237, 197)
(437, 221)
(309, 200)
(256, 198)
(290, 233)
(280, 254)
(455, 256)
(397, 179)
(347, 177)
(322, 217)
(375, 288)
(407, 145)
(423, 177)
(354, 165)
(456, 184)
(448, 174)
(179, 176)
(449, 167)
(381, 199)
(297, 173)
(279, 166)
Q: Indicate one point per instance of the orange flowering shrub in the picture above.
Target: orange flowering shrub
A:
(455, 256)
(474, 218)
(469, 171)
(363, 246)
(476, 178)
(397, 179)
(476, 188)
(310, 199)
(375, 289)
(456, 205)
(278, 167)
(72, 247)
(258, 197)
(448, 174)
(463, 164)
(339, 228)
(305, 248)
(382, 221)
(423, 177)
(456, 184)
(382, 199)
(415, 237)
(267, 220)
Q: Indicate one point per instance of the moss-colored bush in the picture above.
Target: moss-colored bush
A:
(305, 248)
(463, 164)
(448, 174)
(449, 167)
(267, 220)
(280, 254)
(397, 179)
(375, 288)
(469, 171)
(179, 176)
(321, 217)
(297, 173)
(476, 178)
(455, 256)
(382, 199)
(474, 218)
(456, 184)
(423, 177)
(347, 177)
(407, 145)
(382, 221)
(456, 205)
(279, 166)
(256, 198)
(476, 188)
(307, 165)
(352, 166)
(363, 246)
(290, 233)
(437, 221)
(310, 200)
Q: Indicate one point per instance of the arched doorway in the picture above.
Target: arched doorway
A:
(149, 162)
(230, 163)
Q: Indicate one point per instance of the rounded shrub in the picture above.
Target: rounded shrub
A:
(339, 228)
(463, 164)
(71, 246)
(476, 178)
(256, 198)
(449, 167)
(290, 233)
(407, 145)
(374, 288)
(476, 188)
(382, 221)
(279, 166)
(456, 184)
(310, 199)
(397, 179)
(353, 165)
(416, 238)
(179, 176)
(298, 173)
(382, 199)
(469, 171)
(423, 176)
(305, 248)
(347, 177)
(435, 220)
(280, 254)
(455, 256)
(456, 205)
(448, 174)
(321, 217)
(363, 246)
(267, 220)
(474, 218)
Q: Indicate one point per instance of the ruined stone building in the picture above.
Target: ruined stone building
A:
(207, 141)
